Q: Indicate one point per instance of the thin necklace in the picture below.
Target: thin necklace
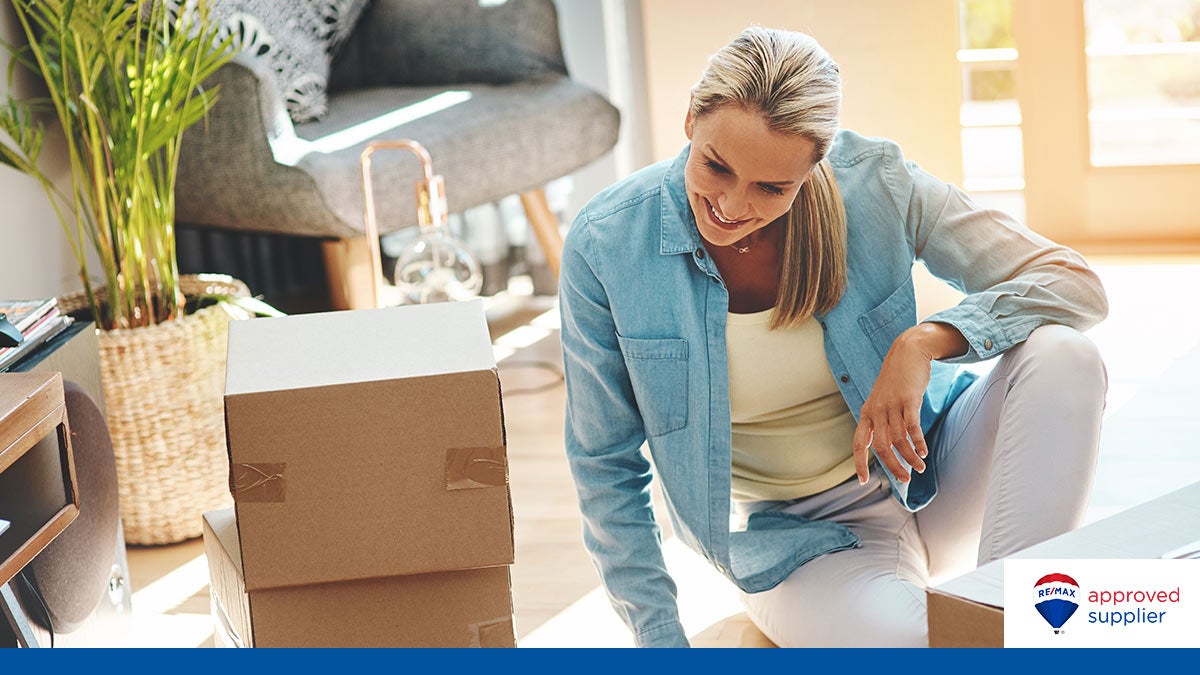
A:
(740, 249)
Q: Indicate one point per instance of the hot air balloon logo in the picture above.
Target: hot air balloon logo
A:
(1056, 598)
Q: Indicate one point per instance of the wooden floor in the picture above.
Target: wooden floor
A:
(1151, 345)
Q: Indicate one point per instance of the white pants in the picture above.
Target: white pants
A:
(1017, 454)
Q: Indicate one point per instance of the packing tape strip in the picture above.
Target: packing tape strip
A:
(468, 468)
(494, 633)
(258, 482)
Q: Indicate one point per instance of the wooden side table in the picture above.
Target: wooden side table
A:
(76, 353)
(38, 493)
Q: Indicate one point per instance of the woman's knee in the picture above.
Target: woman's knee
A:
(1065, 356)
(886, 612)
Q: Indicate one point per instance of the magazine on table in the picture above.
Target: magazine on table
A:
(25, 313)
(42, 331)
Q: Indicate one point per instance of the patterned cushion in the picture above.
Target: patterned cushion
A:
(292, 41)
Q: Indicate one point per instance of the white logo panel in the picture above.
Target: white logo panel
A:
(1102, 603)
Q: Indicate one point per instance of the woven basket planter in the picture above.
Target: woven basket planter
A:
(164, 388)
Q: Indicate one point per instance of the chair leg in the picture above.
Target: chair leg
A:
(545, 226)
(350, 268)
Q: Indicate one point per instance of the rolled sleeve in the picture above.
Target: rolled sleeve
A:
(985, 335)
(1015, 280)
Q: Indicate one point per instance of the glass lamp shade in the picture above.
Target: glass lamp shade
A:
(437, 267)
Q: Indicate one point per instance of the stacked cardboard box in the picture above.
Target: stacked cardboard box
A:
(968, 611)
(370, 483)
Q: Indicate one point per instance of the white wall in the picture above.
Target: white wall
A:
(35, 258)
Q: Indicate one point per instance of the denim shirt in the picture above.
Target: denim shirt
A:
(643, 313)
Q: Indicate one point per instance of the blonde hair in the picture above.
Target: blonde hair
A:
(794, 84)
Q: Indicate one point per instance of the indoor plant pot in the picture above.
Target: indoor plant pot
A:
(163, 387)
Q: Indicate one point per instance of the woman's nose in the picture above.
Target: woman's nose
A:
(733, 206)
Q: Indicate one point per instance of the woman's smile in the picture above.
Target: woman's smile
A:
(724, 224)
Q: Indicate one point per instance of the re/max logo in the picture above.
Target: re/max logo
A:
(1066, 592)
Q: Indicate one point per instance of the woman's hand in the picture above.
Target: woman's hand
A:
(892, 414)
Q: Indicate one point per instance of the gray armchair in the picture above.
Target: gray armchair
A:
(482, 85)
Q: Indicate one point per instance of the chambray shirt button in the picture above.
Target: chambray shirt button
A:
(987, 344)
(715, 280)
(720, 568)
(845, 378)
(699, 254)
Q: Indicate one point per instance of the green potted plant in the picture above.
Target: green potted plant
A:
(123, 81)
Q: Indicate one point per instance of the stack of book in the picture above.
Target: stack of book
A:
(37, 321)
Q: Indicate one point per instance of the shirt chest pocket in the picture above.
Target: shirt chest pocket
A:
(658, 371)
(883, 324)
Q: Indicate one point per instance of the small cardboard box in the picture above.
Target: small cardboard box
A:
(366, 444)
(968, 611)
(469, 608)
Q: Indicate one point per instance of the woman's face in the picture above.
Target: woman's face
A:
(740, 174)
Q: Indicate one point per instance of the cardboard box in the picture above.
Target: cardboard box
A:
(968, 611)
(470, 608)
(366, 444)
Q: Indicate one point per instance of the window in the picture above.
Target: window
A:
(1143, 79)
(993, 160)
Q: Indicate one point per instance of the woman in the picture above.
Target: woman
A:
(747, 308)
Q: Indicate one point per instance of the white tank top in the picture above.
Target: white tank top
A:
(792, 430)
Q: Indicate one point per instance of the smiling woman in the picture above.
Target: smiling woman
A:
(748, 310)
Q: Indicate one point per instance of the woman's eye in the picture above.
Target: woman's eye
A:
(715, 168)
(772, 190)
